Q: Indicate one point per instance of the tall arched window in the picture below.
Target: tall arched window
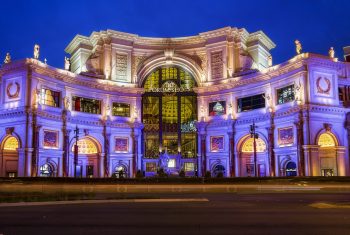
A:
(86, 146)
(11, 143)
(326, 140)
(169, 112)
(248, 145)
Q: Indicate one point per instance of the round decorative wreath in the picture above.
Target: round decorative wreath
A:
(16, 93)
(322, 90)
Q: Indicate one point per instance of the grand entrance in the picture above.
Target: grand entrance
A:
(169, 111)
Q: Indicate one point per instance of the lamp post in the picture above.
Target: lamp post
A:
(254, 135)
(76, 136)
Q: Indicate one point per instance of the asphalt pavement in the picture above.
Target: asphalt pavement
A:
(223, 213)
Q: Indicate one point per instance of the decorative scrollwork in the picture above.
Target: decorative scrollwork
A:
(13, 94)
(320, 88)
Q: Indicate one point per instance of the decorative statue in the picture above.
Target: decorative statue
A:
(45, 61)
(298, 47)
(36, 51)
(269, 60)
(7, 58)
(66, 63)
(67, 102)
(331, 53)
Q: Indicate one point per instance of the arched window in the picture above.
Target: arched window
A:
(169, 113)
(291, 169)
(11, 143)
(86, 146)
(248, 145)
(326, 140)
(46, 170)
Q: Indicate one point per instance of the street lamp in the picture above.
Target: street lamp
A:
(254, 135)
(76, 136)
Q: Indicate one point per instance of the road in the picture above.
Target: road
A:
(223, 213)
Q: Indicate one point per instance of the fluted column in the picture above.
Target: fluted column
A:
(300, 142)
(134, 153)
(65, 157)
(35, 157)
(203, 154)
(271, 144)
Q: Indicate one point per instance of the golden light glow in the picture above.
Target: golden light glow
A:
(248, 146)
(11, 143)
(86, 146)
(326, 140)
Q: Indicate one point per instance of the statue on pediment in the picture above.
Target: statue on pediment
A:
(7, 58)
(36, 51)
(298, 47)
(269, 61)
(331, 53)
(66, 63)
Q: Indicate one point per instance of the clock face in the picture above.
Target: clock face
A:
(323, 85)
(12, 90)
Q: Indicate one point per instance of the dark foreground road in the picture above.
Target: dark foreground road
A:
(226, 213)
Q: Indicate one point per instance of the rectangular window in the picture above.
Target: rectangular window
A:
(121, 109)
(285, 94)
(189, 166)
(151, 167)
(171, 163)
(86, 105)
(217, 108)
(250, 103)
(49, 97)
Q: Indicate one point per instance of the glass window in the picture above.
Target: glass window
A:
(169, 112)
(251, 103)
(189, 166)
(285, 94)
(86, 105)
(217, 108)
(171, 163)
(49, 97)
(151, 167)
(121, 109)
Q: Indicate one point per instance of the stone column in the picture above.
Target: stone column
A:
(135, 137)
(312, 161)
(21, 170)
(340, 158)
(65, 155)
(106, 147)
(300, 143)
(203, 154)
(348, 136)
(35, 157)
(232, 151)
(271, 154)
(101, 165)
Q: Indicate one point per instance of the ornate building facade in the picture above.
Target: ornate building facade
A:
(182, 104)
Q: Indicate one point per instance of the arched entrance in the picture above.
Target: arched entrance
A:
(120, 172)
(246, 159)
(169, 112)
(327, 154)
(9, 160)
(291, 169)
(88, 158)
(218, 171)
(47, 170)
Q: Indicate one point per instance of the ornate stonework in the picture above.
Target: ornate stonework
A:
(216, 65)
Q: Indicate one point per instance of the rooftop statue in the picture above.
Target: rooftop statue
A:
(66, 63)
(331, 53)
(298, 47)
(7, 58)
(269, 60)
(36, 51)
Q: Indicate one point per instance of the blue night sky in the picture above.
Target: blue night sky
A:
(318, 24)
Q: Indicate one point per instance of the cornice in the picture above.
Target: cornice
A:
(261, 36)
(70, 78)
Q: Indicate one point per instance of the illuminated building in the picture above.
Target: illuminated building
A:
(181, 104)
